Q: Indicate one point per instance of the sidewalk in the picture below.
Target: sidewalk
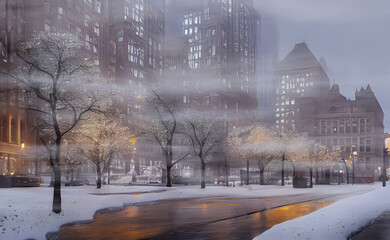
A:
(378, 230)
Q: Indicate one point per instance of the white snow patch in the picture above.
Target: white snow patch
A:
(336, 221)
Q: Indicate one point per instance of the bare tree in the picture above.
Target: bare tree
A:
(63, 86)
(161, 125)
(205, 135)
(260, 148)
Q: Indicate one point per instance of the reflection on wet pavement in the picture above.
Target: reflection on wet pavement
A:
(191, 219)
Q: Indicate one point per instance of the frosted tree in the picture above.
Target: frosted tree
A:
(71, 158)
(284, 147)
(103, 138)
(328, 157)
(62, 86)
(308, 154)
(240, 148)
(261, 148)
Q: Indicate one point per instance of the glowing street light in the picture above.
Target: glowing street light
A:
(353, 166)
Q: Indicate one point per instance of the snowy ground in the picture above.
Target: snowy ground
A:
(336, 221)
(26, 212)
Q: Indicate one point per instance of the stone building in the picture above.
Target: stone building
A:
(351, 125)
(299, 74)
(305, 102)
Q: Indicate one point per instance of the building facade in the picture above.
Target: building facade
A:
(88, 19)
(353, 126)
(299, 74)
(305, 102)
(222, 40)
(17, 133)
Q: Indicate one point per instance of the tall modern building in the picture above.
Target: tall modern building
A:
(269, 46)
(136, 46)
(221, 39)
(299, 74)
(136, 62)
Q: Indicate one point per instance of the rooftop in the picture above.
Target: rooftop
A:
(299, 57)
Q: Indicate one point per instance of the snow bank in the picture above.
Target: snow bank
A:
(336, 221)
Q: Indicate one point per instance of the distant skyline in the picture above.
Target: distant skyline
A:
(352, 35)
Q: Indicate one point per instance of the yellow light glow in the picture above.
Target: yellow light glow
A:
(219, 204)
(138, 195)
(22, 145)
(134, 149)
(133, 140)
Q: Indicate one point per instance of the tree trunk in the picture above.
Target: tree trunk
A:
(202, 176)
(57, 189)
(99, 176)
(261, 177)
(247, 172)
(71, 177)
(169, 181)
(52, 178)
(316, 175)
(227, 176)
(57, 177)
(311, 177)
(108, 175)
(283, 170)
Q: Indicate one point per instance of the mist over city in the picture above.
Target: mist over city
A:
(194, 119)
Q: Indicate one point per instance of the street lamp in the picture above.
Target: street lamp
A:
(384, 175)
(340, 173)
(353, 166)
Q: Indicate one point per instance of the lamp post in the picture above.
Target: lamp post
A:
(340, 172)
(384, 175)
(346, 169)
(353, 166)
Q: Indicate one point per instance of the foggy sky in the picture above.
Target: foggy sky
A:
(352, 35)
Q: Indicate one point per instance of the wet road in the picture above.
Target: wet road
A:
(210, 218)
